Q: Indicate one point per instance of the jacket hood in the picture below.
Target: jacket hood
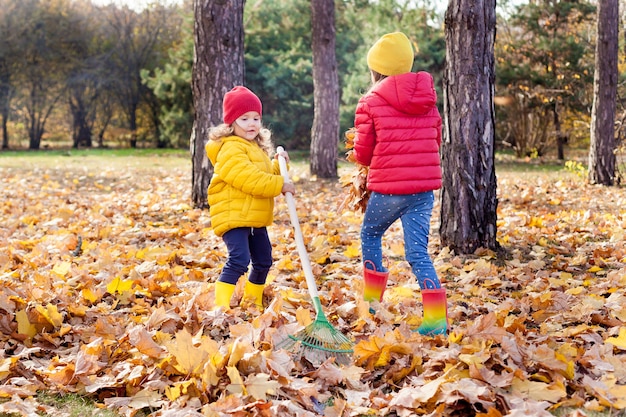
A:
(411, 93)
(212, 148)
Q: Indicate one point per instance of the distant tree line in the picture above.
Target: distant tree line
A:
(72, 72)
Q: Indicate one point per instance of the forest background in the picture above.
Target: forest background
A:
(73, 74)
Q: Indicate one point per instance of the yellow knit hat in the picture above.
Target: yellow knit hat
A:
(392, 54)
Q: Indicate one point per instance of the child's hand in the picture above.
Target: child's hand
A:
(288, 187)
(283, 154)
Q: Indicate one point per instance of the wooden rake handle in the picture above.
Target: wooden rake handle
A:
(293, 215)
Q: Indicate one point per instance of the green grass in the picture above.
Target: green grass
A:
(68, 405)
(94, 158)
(565, 412)
(94, 152)
(68, 158)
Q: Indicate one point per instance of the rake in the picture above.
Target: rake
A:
(318, 341)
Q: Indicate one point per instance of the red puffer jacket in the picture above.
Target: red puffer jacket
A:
(398, 134)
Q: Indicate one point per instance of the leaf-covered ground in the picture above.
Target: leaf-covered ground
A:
(106, 291)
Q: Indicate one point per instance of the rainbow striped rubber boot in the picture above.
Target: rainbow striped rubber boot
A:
(374, 284)
(435, 306)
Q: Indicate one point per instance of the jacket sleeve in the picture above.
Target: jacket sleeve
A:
(365, 138)
(237, 170)
(276, 166)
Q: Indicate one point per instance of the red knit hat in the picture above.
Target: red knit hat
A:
(238, 101)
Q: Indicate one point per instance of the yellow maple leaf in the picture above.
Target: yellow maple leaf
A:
(285, 264)
(619, 341)
(539, 391)
(619, 392)
(367, 349)
(575, 290)
(5, 366)
(569, 372)
(377, 351)
(236, 385)
(24, 326)
(154, 253)
(473, 359)
(237, 350)
(119, 286)
(353, 251)
(143, 341)
(62, 269)
(209, 375)
(455, 337)
(179, 389)
(189, 358)
(51, 313)
(388, 350)
(89, 295)
(303, 316)
(259, 385)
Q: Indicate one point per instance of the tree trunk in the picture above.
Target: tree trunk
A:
(81, 131)
(468, 195)
(218, 66)
(5, 109)
(560, 137)
(601, 152)
(5, 133)
(325, 130)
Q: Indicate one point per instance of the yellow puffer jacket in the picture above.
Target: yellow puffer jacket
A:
(243, 186)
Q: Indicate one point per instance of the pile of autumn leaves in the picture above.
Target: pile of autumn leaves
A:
(107, 282)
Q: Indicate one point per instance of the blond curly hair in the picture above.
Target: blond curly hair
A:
(263, 139)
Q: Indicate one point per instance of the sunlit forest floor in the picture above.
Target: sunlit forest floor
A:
(108, 272)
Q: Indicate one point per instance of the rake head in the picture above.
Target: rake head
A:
(318, 342)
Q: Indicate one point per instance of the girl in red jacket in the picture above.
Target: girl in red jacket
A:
(241, 194)
(398, 134)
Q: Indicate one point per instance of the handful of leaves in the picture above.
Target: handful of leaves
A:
(355, 180)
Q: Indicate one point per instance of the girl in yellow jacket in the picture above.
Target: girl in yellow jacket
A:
(241, 194)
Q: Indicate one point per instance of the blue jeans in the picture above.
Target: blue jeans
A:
(414, 211)
(247, 244)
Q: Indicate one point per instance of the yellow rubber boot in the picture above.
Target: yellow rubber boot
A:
(223, 293)
(254, 292)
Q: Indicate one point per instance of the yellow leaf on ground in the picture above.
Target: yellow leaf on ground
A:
(51, 313)
(24, 326)
(396, 294)
(119, 286)
(190, 359)
(619, 341)
(5, 366)
(539, 391)
(619, 392)
(285, 264)
(143, 341)
(303, 316)
(209, 375)
(237, 350)
(236, 385)
(353, 251)
(62, 269)
(259, 385)
(89, 295)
